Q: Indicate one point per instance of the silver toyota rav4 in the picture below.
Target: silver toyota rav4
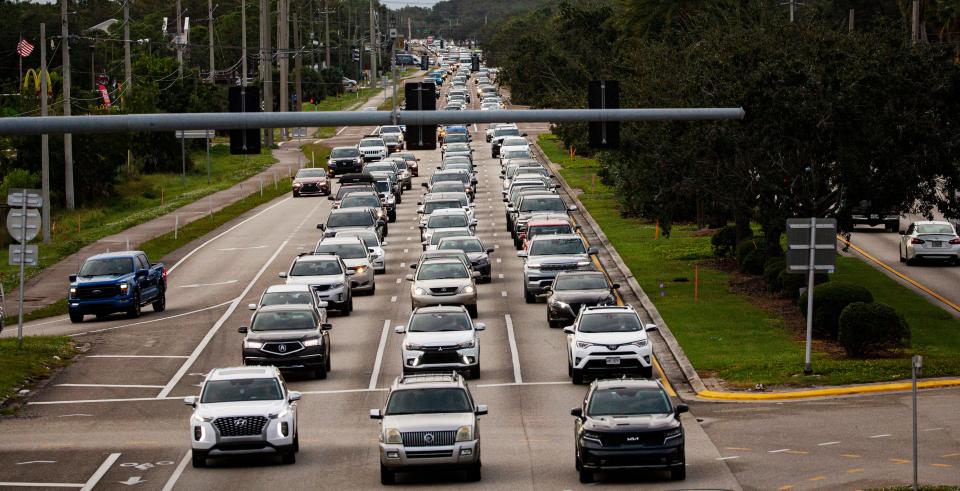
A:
(430, 421)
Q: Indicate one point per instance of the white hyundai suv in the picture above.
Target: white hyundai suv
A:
(244, 410)
(608, 340)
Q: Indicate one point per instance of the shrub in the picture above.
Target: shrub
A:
(828, 302)
(871, 328)
(771, 273)
(747, 246)
(754, 262)
(792, 283)
(724, 241)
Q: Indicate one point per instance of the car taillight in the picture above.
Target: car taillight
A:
(916, 241)
(955, 241)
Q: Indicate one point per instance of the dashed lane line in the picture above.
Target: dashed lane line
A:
(375, 375)
(514, 354)
(782, 450)
(138, 356)
(826, 444)
(883, 435)
(104, 467)
(158, 319)
(855, 470)
(172, 481)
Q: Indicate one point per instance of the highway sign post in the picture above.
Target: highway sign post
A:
(23, 224)
(183, 135)
(811, 247)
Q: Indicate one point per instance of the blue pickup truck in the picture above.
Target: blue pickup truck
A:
(117, 282)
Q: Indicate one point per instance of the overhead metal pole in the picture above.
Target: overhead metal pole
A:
(283, 47)
(326, 32)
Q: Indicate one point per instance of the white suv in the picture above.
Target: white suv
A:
(441, 338)
(605, 340)
(244, 410)
(327, 276)
(373, 148)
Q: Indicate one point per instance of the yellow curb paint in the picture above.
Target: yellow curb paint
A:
(855, 470)
(850, 455)
(902, 276)
(899, 461)
(836, 391)
(942, 466)
(663, 378)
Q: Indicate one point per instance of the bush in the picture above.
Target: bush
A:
(771, 273)
(792, 283)
(754, 262)
(828, 302)
(724, 241)
(747, 246)
(871, 328)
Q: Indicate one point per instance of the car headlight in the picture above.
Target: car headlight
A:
(124, 288)
(297, 184)
(412, 347)
(591, 435)
(467, 289)
(419, 291)
(483, 260)
(73, 291)
(467, 344)
(558, 303)
(465, 433)
(392, 435)
(336, 286)
(196, 418)
(640, 344)
(584, 345)
(674, 433)
(252, 344)
(312, 341)
(360, 269)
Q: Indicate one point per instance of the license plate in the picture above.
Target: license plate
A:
(936, 243)
(874, 217)
(613, 361)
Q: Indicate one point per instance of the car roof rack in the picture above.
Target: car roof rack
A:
(427, 377)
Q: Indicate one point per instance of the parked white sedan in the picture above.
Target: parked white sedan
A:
(929, 240)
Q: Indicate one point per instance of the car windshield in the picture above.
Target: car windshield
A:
(391, 138)
(428, 401)
(355, 219)
(513, 142)
(432, 206)
(447, 221)
(548, 230)
(287, 298)
(465, 245)
(455, 138)
(610, 322)
(557, 246)
(456, 159)
(369, 239)
(537, 203)
(450, 177)
(390, 129)
(440, 322)
(345, 251)
(447, 186)
(465, 167)
(315, 268)
(443, 234)
(628, 401)
(371, 143)
(514, 154)
(311, 173)
(360, 201)
(110, 266)
(250, 389)
(284, 321)
(441, 271)
(580, 282)
(935, 228)
(507, 132)
(339, 153)
(345, 190)
(458, 147)
(382, 186)
(378, 168)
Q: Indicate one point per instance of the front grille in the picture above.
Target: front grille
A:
(440, 357)
(94, 292)
(240, 425)
(429, 454)
(321, 288)
(282, 348)
(647, 439)
(309, 188)
(558, 267)
(428, 438)
(450, 290)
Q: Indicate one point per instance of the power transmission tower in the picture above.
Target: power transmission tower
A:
(67, 138)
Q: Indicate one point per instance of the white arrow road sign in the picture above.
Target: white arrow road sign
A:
(132, 481)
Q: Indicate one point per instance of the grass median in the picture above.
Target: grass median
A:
(21, 367)
(731, 336)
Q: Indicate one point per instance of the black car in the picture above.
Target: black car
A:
(344, 160)
(288, 336)
(573, 290)
(628, 424)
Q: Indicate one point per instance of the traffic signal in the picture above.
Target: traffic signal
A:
(244, 100)
(420, 97)
(604, 94)
(356, 55)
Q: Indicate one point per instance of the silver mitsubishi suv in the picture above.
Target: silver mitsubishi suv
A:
(430, 421)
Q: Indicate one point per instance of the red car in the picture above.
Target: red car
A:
(311, 181)
(550, 226)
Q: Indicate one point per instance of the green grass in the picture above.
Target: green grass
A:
(727, 336)
(19, 367)
(387, 105)
(316, 153)
(137, 199)
(344, 102)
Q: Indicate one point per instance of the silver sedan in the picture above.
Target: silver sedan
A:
(929, 240)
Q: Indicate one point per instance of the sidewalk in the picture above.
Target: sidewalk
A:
(51, 284)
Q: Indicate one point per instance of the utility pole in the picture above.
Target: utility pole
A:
(179, 42)
(210, 35)
(44, 146)
(266, 67)
(297, 64)
(283, 47)
(373, 49)
(410, 28)
(67, 137)
(915, 22)
(850, 21)
(326, 32)
(127, 70)
(243, 41)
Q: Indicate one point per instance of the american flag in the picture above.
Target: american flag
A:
(24, 48)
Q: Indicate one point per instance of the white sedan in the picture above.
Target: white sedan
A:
(929, 240)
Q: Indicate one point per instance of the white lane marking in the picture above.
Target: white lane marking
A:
(884, 435)
(137, 356)
(933, 429)
(151, 320)
(405, 251)
(500, 275)
(225, 232)
(499, 260)
(341, 391)
(341, 130)
(37, 462)
(95, 401)
(40, 485)
(503, 293)
(177, 472)
(198, 285)
(511, 384)
(228, 249)
(113, 386)
(76, 415)
(216, 326)
(409, 238)
(133, 480)
(514, 355)
(403, 264)
(411, 227)
(824, 444)
(779, 450)
(729, 458)
(104, 467)
(375, 375)
(399, 280)
(393, 299)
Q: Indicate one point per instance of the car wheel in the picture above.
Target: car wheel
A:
(475, 372)
(386, 230)
(529, 297)
(288, 457)
(577, 464)
(569, 370)
(373, 289)
(473, 473)
(679, 473)
(586, 477)
(329, 364)
(320, 373)
(387, 476)
(911, 261)
(900, 251)
(472, 309)
(392, 217)
(296, 443)
(199, 459)
(161, 303)
(76, 318)
(134, 311)
(577, 375)
(349, 308)
(296, 195)
(398, 198)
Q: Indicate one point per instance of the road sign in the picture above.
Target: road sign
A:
(34, 197)
(195, 134)
(798, 245)
(29, 255)
(603, 94)
(15, 225)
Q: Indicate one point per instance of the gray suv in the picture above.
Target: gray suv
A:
(429, 421)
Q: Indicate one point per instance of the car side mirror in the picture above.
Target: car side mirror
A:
(381, 223)
(326, 326)
(568, 329)
(592, 251)
(651, 327)
(409, 277)
(242, 329)
(476, 274)
(572, 208)
(577, 411)
(419, 203)
(384, 244)
(490, 250)
(424, 185)
(903, 232)
(422, 227)
(680, 409)
(413, 266)
(376, 414)
(615, 286)
(523, 134)
(190, 401)
(252, 306)
(522, 254)
(480, 326)
(481, 410)
(72, 278)
(294, 396)
(142, 273)
(548, 288)
(400, 329)
(321, 226)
